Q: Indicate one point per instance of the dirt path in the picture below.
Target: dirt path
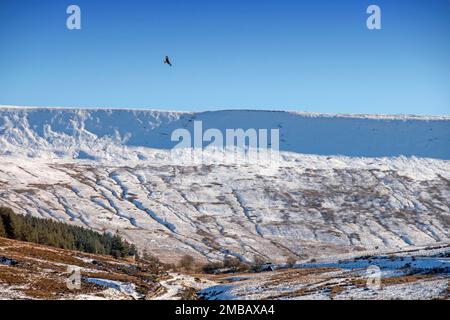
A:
(178, 282)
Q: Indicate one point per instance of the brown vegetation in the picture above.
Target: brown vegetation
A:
(40, 272)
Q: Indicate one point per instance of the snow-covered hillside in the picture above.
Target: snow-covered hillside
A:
(111, 170)
(94, 133)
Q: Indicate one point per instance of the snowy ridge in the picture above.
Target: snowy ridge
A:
(104, 133)
(302, 113)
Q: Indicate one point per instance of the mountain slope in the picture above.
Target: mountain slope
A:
(111, 170)
(66, 132)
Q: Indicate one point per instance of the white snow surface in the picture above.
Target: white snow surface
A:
(126, 288)
(405, 275)
(344, 183)
(102, 133)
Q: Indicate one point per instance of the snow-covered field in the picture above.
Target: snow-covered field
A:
(421, 274)
(344, 183)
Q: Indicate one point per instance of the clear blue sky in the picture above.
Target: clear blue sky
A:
(263, 54)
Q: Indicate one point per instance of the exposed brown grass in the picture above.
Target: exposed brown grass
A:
(9, 275)
(405, 279)
(46, 288)
(335, 290)
(41, 271)
(188, 294)
(49, 254)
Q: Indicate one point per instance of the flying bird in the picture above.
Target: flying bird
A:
(167, 61)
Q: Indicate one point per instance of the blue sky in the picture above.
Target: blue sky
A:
(313, 56)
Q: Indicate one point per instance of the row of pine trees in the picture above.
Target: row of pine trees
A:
(61, 235)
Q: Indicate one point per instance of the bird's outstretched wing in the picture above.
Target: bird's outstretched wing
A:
(167, 61)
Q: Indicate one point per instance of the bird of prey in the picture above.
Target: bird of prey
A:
(167, 61)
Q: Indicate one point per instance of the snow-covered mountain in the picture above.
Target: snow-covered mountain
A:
(344, 183)
(66, 132)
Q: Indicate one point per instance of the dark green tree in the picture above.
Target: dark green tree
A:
(61, 235)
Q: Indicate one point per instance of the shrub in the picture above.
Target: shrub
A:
(186, 262)
(2, 229)
(291, 261)
(257, 263)
(212, 267)
(149, 258)
(231, 262)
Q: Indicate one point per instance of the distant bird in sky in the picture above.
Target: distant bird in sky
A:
(167, 61)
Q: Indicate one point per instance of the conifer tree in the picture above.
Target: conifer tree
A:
(61, 235)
